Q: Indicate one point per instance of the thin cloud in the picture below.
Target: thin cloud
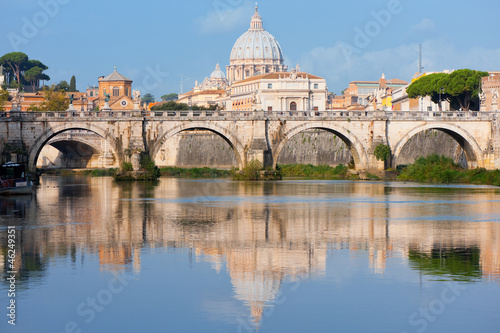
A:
(339, 68)
(224, 18)
(425, 25)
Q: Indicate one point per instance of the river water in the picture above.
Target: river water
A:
(188, 255)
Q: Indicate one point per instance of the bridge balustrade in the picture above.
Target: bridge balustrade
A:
(241, 115)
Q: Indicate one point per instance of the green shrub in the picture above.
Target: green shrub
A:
(127, 166)
(382, 152)
(441, 169)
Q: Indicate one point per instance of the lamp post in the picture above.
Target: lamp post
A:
(83, 102)
(441, 90)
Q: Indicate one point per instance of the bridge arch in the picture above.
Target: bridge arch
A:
(229, 137)
(352, 142)
(43, 139)
(471, 148)
(78, 140)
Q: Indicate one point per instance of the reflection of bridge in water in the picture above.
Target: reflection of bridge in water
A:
(257, 135)
(262, 243)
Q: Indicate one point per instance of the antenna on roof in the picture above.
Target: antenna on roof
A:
(183, 78)
(420, 68)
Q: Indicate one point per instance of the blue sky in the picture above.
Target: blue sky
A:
(154, 42)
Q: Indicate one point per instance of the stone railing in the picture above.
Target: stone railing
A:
(338, 115)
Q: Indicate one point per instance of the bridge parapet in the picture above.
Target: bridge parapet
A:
(339, 115)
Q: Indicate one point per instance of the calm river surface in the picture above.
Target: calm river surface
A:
(222, 256)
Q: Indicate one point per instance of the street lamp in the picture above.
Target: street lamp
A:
(83, 102)
(441, 90)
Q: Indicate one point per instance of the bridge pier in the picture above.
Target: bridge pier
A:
(260, 149)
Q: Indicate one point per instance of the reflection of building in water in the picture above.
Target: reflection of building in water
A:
(263, 243)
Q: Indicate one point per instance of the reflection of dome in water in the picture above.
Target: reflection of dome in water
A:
(256, 290)
(257, 43)
(217, 74)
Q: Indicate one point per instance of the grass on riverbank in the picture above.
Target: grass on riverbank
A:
(313, 171)
(194, 172)
(440, 169)
(83, 172)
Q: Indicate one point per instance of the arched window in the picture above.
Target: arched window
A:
(293, 106)
(116, 91)
(126, 92)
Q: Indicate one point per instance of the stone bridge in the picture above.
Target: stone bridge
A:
(255, 135)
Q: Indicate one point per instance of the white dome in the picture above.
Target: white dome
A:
(257, 43)
(217, 74)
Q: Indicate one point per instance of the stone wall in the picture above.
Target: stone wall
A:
(204, 148)
(315, 147)
(432, 142)
(196, 149)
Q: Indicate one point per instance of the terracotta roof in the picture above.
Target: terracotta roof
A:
(393, 81)
(115, 76)
(277, 75)
(203, 92)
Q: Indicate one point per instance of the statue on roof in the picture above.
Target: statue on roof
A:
(136, 94)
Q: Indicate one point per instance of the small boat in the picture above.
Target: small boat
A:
(14, 180)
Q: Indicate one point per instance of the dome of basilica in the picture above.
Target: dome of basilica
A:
(217, 74)
(257, 43)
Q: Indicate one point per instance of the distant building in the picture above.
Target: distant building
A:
(119, 89)
(209, 92)
(256, 52)
(490, 91)
(362, 94)
(290, 91)
(257, 79)
(2, 76)
(22, 101)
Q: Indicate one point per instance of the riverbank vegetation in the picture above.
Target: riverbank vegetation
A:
(254, 171)
(194, 172)
(429, 169)
(313, 171)
(440, 169)
(148, 170)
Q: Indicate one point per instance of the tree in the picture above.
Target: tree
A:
(63, 85)
(72, 84)
(54, 100)
(33, 75)
(464, 87)
(148, 98)
(16, 61)
(4, 97)
(170, 97)
(460, 88)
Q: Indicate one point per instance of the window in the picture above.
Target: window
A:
(316, 108)
(269, 108)
(316, 86)
(126, 91)
(293, 106)
(269, 86)
(116, 91)
(91, 94)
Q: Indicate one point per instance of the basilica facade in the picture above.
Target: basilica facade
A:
(258, 80)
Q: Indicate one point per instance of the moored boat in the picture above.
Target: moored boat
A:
(14, 180)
